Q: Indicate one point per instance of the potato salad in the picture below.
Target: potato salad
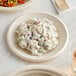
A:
(38, 36)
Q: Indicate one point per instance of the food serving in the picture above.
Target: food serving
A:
(39, 36)
(12, 3)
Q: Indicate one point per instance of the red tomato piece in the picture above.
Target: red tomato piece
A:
(21, 1)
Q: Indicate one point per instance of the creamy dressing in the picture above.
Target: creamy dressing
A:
(37, 35)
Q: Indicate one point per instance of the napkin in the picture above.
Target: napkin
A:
(71, 4)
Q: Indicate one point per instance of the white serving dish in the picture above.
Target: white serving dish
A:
(61, 29)
(38, 70)
(22, 6)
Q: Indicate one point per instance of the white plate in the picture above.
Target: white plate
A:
(61, 28)
(38, 70)
(17, 7)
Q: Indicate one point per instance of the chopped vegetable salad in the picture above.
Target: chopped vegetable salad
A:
(11, 3)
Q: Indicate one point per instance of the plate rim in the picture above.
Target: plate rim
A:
(38, 67)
